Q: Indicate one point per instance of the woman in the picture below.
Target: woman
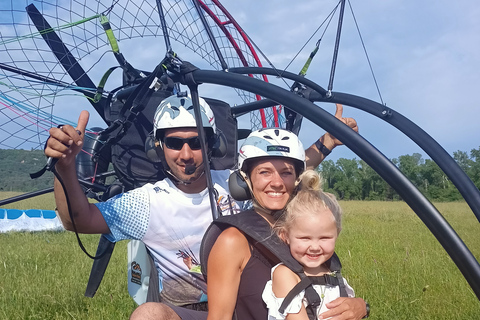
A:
(270, 162)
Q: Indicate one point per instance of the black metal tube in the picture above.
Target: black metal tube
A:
(65, 57)
(203, 139)
(337, 44)
(83, 182)
(450, 167)
(280, 74)
(435, 222)
(25, 196)
(48, 80)
(163, 23)
(207, 28)
(242, 109)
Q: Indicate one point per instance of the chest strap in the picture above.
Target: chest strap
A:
(311, 295)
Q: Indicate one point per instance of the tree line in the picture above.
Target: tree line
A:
(348, 179)
(352, 179)
(15, 169)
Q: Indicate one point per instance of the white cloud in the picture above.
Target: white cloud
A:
(425, 57)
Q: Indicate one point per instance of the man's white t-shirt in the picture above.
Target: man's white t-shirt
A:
(171, 223)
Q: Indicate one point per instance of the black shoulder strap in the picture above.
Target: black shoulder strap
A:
(302, 285)
(335, 265)
(254, 226)
(341, 285)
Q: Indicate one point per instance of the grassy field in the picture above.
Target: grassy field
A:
(389, 257)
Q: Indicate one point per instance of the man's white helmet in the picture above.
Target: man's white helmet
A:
(273, 142)
(178, 112)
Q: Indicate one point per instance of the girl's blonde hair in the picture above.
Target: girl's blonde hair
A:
(307, 200)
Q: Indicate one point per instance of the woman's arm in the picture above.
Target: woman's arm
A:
(313, 155)
(226, 261)
(284, 280)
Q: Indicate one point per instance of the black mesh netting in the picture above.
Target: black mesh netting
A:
(38, 89)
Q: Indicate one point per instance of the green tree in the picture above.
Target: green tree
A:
(463, 160)
(328, 171)
(436, 184)
(474, 170)
(373, 186)
(15, 169)
(409, 165)
(348, 185)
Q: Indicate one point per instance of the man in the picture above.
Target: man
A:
(170, 216)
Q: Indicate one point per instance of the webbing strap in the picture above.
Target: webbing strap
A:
(137, 99)
(325, 280)
(310, 293)
(299, 287)
(108, 30)
(341, 284)
(101, 85)
(130, 72)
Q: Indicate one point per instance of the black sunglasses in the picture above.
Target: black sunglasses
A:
(176, 143)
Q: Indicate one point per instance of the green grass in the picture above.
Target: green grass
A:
(389, 257)
(393, 261)
(44, 276)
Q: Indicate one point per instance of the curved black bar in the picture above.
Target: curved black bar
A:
(440, 228)
(280, 74)
(25, 196)
(450, 167)
(242, 109)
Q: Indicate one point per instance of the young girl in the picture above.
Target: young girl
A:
(310, 226)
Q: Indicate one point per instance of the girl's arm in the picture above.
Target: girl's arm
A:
(283, 280)
(226, 261)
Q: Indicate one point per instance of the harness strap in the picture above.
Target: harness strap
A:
(310, 294)
(314, 301)
(299, 287)
(341, 284)
(101, 85)
(325, 280)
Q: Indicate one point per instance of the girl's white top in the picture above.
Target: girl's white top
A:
(326, 293)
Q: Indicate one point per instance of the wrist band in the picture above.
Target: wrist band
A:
(368, 310)
(322, 148)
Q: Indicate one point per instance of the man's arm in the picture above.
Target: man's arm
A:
(64, 144)
(323, 146)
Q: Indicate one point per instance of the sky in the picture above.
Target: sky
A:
(424, 57)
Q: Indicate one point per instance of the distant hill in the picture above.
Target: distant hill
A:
(15, 169)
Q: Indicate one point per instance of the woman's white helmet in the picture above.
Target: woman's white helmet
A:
(178, 112)
(273, 142)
